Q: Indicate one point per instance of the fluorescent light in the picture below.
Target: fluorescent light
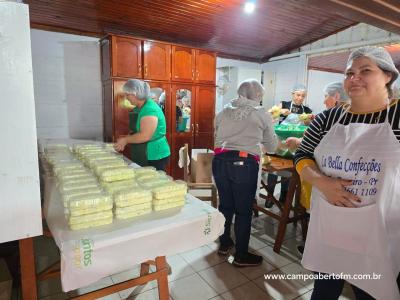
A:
(249, 7)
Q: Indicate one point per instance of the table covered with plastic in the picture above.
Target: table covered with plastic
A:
(91, 254)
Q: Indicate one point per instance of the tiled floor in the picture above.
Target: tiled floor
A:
(201, 274)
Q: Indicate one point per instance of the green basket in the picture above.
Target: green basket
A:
(286, 131)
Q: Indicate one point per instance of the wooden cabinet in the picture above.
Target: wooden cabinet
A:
(181, 79)
(126, 57)
(205, 67)
(183, 64)
(192, 119)
(115, 118)
(204, 117)
(156, 61)
(190, 65)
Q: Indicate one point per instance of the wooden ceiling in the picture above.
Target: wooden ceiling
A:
(336, 62)
(276, 27)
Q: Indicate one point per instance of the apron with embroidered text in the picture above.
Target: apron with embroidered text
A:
(363, 240)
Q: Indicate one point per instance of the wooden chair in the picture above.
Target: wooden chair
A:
(198, 186)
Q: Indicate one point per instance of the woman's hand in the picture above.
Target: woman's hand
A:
(120, 144)
(285, 112)
(335, 192)
(293, 143)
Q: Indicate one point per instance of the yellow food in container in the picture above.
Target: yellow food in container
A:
(173, 188)
(91, 210)
(132, 214)
(113, 187)
(86, 176)
(176, 204)
(91, 224)
(123, 173)
(64, 187)
(87, 201)
(66, 196)
(171, 199)
(126, 198)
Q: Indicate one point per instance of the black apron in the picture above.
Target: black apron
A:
(138, 151)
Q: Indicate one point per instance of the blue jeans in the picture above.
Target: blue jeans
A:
(331, 289)
(236, 180)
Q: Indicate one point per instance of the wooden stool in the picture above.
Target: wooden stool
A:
(282, 164)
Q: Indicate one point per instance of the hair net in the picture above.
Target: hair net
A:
(138, 88)
(336, 87)
(251, 89)
(380, 56)
(299, 88)
(396, 90)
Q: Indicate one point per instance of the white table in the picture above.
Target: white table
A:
(91, 254)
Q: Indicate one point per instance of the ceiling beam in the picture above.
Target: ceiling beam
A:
(388, 5)
(366, 12)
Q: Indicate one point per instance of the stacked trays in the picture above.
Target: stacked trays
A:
(96, 184)
(170, 195)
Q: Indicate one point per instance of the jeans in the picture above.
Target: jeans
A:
(159, 164)
(236, 181)
(331, 289)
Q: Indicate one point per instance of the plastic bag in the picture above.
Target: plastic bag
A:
(292, 119)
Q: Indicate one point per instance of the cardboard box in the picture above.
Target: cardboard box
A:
(5, 281)
(200, 166)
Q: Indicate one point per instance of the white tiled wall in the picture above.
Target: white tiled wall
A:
(66, 75)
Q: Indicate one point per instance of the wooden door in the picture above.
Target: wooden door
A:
(160, 92)
(120, 115)
(183, 64)
(157, 61)
(205, 67)
(182, 123)
(126, 57)
(204, 117)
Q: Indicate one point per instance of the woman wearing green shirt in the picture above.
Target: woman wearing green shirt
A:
(149, 146)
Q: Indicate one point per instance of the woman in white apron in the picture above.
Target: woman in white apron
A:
(351, 157)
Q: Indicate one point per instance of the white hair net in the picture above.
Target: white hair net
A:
(138, 88)
(299, 88)
(251, 89)
(380, 56)
(336, 87)
(396, 90)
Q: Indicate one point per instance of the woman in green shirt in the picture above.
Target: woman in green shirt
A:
(149, 146)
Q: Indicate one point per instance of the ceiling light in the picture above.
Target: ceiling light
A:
(249, 7)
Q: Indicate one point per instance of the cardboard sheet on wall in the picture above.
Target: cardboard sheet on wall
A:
(20, 208)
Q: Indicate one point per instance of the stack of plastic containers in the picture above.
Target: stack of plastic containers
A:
(96, 184)
(169, 195)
